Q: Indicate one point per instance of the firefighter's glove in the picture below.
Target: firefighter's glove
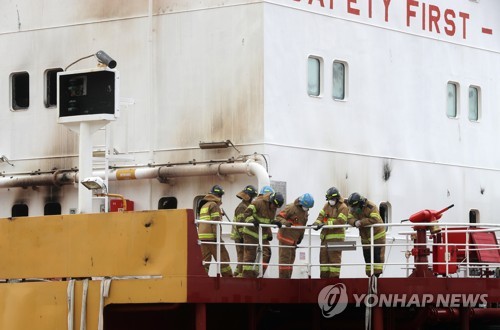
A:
(270, 238)
(357, 223)
(256, 223)
(278, 224)
(299, 241)
(319, 226)
(288, 224)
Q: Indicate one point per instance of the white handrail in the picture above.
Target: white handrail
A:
(406, 244)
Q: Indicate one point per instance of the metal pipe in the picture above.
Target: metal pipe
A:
(485, 313)
(57, 178)
(163, 173)
(451, 314)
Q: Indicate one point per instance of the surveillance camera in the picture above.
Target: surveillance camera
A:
(104, 58)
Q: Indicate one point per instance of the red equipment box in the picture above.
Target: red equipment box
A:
(439, 254)
(483, 246)
(116, 205)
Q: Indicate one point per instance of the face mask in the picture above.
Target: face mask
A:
(305, 208)
(332, 202)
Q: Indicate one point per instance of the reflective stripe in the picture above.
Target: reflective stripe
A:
(226, 269)
(324, 268)
(376, 216)
(343, 217)
(375, 237)
(335, 269)
(247, 267)
(379, 235)
(332, 236)
(215, 214)
(285, 239)
(375, 267)
(204, 213)
(254, 216)
(286, 267)
(206, 235)
(253, 234)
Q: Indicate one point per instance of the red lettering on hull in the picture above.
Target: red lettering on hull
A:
(487, 31)
(433, 18)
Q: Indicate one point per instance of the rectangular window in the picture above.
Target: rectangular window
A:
(339, 74)
(313, 77)
(51, 87)
(473, 103)
(20, 88)
(452, 100)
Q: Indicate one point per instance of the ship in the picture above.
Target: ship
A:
(119, 116)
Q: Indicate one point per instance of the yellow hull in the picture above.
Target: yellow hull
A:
(144, 254)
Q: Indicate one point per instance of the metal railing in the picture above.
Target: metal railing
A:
(403, 240)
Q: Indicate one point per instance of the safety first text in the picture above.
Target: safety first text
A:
(425, 16)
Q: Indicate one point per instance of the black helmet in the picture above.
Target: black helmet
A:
(356, 200)
(250, 191)
(276, 199)
(332, 193)
(217, 191)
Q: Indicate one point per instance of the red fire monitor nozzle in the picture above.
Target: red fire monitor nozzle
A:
(429, 216)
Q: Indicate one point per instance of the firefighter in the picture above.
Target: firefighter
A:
(334, 212)
(294, 214)
(211, 211)
(265, 190)
(246, 196)
(363, 213)
(261, 211)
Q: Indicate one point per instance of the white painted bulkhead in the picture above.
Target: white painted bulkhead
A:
(238, 70)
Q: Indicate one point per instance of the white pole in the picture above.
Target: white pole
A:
(85, 168)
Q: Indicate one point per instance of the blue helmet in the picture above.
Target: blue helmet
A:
(306, 200)
(266, 190)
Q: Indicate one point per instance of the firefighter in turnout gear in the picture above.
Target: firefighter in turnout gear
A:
(335, 212)
(294, 214)
(266, 190)
(363, 213)
(207, 232)
(261, 211)
(246, 196)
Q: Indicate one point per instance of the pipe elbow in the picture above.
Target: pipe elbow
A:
(254, 168)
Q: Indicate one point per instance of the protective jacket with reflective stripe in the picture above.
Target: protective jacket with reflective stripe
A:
(294, 214)
(333, 215)
(210, 211)
(369, 215)
(239, 215)
(261, 210)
